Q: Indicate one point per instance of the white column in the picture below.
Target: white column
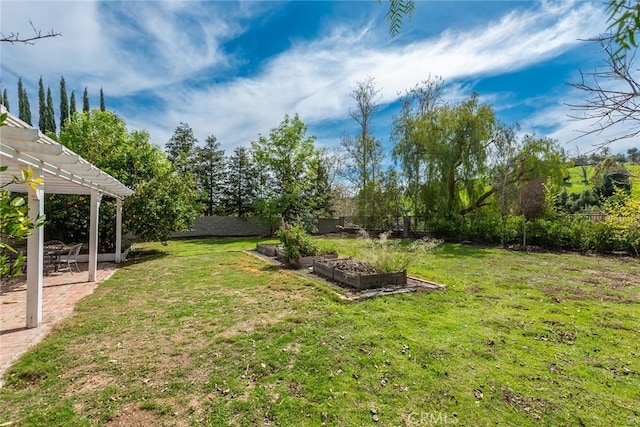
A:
(35, 260)
(96, 197)
(118, 230)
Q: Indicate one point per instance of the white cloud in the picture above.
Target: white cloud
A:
(312, 78)
(315, 78)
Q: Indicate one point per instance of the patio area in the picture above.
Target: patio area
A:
(61, 292)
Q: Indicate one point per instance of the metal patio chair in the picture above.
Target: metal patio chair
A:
(71, 258)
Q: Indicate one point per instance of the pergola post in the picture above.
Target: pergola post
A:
(35, 257)
(96, 197)
(118, 230)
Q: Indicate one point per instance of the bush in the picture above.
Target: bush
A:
(297, 243)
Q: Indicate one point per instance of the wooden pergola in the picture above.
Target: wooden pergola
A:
(63, 172)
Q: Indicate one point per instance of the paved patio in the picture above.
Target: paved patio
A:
(61, 292)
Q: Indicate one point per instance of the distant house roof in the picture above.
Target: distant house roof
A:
(65, 172)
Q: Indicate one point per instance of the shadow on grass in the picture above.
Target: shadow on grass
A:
(142, 255)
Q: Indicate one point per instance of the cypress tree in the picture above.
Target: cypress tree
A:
(42, 107)
(85, 101)
(101, 100)
(24, 109)
(51, 115)
(5, 100)
(64, 102)
(20, 100)
(27, 107)
(72, 104)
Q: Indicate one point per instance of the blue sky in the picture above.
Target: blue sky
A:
(234, 69)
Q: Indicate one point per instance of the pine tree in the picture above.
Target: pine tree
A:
(241, 183)
(180, 148)
(64, 103)
(51, 115)
(210, 172)
(72, 104)
(5, 100)
(24, 109)
(102, 108)
(85, 101)
(42, 107)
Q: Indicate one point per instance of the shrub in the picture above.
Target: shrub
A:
(297, 243)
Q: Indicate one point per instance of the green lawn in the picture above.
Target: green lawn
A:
(576, 183)
(200, 333)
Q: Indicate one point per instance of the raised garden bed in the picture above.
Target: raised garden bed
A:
(307, 261)
(357, 274)
(267, 249)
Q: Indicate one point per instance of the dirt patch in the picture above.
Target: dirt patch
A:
(250, 325)
(132, 415)
(531, 406)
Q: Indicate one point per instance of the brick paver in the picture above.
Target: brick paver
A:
(61, 291)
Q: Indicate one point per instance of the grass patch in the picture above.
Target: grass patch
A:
(199, 333)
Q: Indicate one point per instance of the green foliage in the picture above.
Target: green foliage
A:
(102, 106)
(72, 104)
(50, 119)
(24, 109)
(163, 201)
(85, 101)
(64, 104)
(181, 148)
(241, 184)
(296, 242)
(15, 223)
(286, 160)
(210, 173)
(5, 100)
(624, 23)
(398, 10)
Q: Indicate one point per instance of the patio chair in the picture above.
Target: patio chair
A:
(52, 251)
(71, 258)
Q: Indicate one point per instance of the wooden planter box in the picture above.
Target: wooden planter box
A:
(267, 249)
(308, 261)
(323, 270)
(361, 281)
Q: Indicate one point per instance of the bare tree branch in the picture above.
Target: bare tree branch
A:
(37, 35)
(613, 94)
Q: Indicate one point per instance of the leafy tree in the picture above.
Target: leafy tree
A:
(72, 104)
(240, 188)
(64, 103)
(5, 100)
(51, 119)
(181, 148)
(102, 107)
(288, 155)
(634, 155)
(24, 110)
(320, 191)
(418, 105)
(163, 202)
(85, 101)
(210, 171)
